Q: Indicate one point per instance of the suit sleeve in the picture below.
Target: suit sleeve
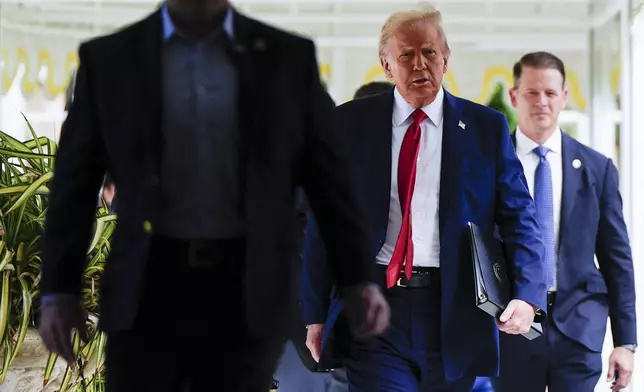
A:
(615, 261)
(326, 181)
(315, 290)
(78, 173)
(517, 224)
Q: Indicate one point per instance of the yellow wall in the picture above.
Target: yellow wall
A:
(34, 61)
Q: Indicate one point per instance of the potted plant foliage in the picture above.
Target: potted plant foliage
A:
(497, 102)
(26, 170)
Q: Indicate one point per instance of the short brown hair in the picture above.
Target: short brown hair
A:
(373, 88)
(538, 60)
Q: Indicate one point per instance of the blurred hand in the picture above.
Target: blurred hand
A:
(620, 368)
(314, 334)
(60, 314)
(517, 318)
(366, 309)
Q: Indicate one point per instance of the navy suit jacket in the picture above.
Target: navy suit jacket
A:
(482, 181)
(287, 140)
(592, 224)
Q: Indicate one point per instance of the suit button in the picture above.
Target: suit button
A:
(154, 181)
(147, 226)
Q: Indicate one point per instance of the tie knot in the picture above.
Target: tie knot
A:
(541, 151)
(418, 116)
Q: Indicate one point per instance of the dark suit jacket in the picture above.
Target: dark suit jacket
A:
(592, 224)
(481, 181)
(288, 139)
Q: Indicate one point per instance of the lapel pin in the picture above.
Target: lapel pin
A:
(576, 163)
(461, 124)
(259, 45)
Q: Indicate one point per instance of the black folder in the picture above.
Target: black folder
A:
(492, 287)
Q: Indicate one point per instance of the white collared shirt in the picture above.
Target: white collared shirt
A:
(530, 161)
(424, 202)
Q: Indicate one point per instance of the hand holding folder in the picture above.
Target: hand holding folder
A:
(493, 291)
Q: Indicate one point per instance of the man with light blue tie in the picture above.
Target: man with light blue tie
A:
(579, 210)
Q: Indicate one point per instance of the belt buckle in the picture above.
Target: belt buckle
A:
(399, 283)
(194, 261)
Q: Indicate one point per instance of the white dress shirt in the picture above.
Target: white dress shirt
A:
(424, 202)
(530, 161)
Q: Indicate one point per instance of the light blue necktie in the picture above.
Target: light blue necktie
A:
(545, 215)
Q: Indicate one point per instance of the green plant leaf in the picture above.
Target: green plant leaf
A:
(20, 189)
(30, 191)
(24, 319)
(25, 170)
(24, 154)
(100, 228)
(497, 101)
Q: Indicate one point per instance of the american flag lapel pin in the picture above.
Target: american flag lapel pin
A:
(461, 124)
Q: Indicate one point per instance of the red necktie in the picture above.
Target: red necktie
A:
(404, 250)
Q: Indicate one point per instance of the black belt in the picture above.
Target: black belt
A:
(204, 253)
(421, 277)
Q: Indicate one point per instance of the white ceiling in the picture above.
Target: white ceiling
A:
(348, 23)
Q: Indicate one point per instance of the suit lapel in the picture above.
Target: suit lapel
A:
(148, 65)
(250, 55)
(451, 162)
(571, 179)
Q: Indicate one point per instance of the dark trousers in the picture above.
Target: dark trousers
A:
(552, 360)
(407, 357)
(191, 333)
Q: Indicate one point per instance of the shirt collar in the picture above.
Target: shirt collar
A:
(169, 29)
(402, 109)
(525, 145)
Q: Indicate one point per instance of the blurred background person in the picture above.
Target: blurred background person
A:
(373, 88)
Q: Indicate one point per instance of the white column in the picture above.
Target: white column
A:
(11, 104)
(626, 103)
(636, 189)
(602, 104)
(337, 83)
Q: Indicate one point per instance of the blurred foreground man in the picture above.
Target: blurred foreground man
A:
(428, 162)
(579, 209)
(206, 152)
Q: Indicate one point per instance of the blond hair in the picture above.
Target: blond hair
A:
(423, 13)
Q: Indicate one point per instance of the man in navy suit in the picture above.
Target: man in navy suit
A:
(206, 155)
(428, 162)
(579, 209)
